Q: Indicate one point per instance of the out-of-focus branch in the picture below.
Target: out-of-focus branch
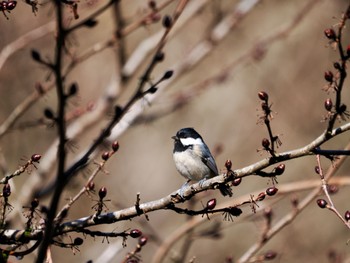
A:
(122, 111)
(147, 45)
(24, 40)
(255, 52)
(288, 218)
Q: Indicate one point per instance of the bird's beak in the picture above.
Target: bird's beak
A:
(174, 138)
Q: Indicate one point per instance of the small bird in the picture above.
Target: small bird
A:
(193, 159)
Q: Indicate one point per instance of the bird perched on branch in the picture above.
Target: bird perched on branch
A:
(193, 159)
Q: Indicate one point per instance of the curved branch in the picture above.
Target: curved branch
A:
(194, 189)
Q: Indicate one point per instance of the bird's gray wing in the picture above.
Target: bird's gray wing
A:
(209, 161)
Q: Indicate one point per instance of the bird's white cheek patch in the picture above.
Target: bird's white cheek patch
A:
(190, 141)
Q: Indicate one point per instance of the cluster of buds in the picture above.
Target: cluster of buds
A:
(102, 193)
(132, 256)
(230, 174)
(115, 147)
(266, 108)
(7, 6)
(331, 78)
(268, 144)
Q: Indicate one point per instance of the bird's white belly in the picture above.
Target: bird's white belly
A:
(191, 166)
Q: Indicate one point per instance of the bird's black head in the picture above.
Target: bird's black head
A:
(186, 138)
(187, 133)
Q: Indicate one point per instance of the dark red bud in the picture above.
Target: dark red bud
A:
(322, 203)
(211, 204)
(11, 5)
(336, 65)
(260, 197)
(317, 169)
(330, 33)
(105, 156)
(332, 188)
(228, 164)
(91, 186)
(263, 96)
(237, 181)
(328, 104)
(279, 169)
(270, 255)
(348, 50)
(35, 158)
(347, 215)
(142, 241)
(135, 233)
(102, 193)
(271, 191)
(328, 76)
(265, 143)
(115, 146)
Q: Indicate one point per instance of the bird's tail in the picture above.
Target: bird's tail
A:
(225, 190)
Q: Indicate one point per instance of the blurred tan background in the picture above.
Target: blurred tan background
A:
(223, 111)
